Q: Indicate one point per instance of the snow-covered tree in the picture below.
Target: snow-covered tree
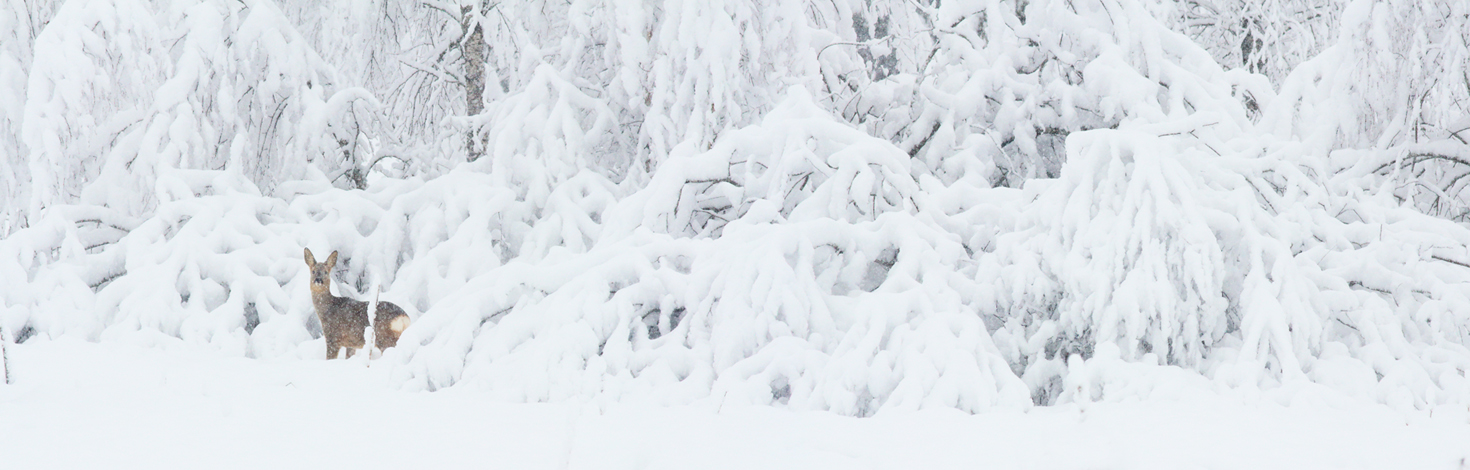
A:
(105, 61)
(1269, 37)
(20, 23)
(847, 206)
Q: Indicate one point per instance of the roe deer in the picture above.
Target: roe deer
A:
(343, 319)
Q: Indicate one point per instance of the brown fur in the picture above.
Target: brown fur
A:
(343, 319)
(386, 329)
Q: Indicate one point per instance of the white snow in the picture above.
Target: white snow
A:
(694, 233)
(89, 405)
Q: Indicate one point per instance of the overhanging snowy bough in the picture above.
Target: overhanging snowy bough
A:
(785, 265)
(1247, 268)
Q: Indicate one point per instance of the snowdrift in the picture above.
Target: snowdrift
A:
(803, 260)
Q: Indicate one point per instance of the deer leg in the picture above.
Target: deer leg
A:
(349, 352)
(332, 348)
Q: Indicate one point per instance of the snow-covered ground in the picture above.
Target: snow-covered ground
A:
(78, 404)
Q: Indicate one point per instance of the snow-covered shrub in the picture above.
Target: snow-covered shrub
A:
(1156, 247)
(105, 59)
(270, 103)
(1269, 37)
(1127, 254)
(1362, 93)
(546, 133)
(129, 91)
(659, 74)
(20, 23)
(49, 258)
(220, 263)
(404, 55)
(1183, 238)
(784, 265)
(1004, 82)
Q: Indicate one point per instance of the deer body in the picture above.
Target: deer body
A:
(343, 319)
(388, 325)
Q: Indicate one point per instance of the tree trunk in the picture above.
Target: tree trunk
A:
(474, 78)
(474, 74)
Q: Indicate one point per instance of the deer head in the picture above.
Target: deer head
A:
(321, 273)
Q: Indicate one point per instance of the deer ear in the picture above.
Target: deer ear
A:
(310, 260)
(332, 260)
